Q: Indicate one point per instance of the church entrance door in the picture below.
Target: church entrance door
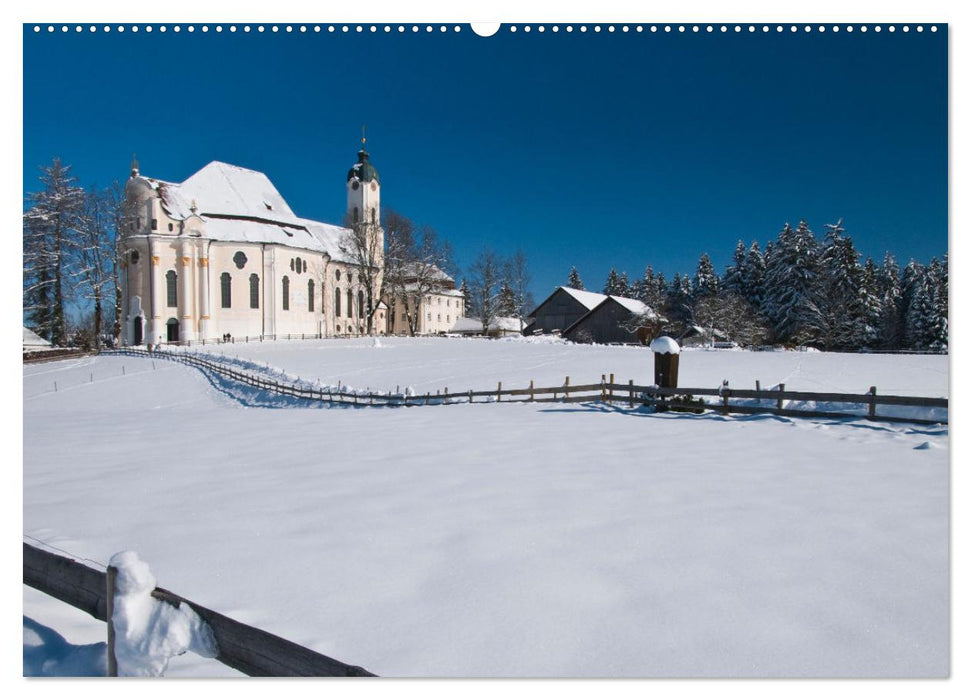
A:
(172, 330)
(137, 331)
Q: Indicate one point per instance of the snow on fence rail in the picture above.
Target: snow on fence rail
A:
(247, 649)
(758, 400)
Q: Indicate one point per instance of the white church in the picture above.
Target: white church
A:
(223, 254)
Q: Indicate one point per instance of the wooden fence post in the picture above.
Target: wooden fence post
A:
(470, 396)
(873, 402)
(532, 395)
(630, 401)
(611, 394)
(112, 575)
(782, 388)
(566, 391)
(499, 392)
(603, 387)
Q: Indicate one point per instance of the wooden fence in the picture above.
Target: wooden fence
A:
(247, 649)
(759, 400)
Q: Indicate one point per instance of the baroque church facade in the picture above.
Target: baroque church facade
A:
(222, 253)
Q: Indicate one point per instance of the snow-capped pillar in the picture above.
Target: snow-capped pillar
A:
(666, 353)
(187, 327)
(204, 295)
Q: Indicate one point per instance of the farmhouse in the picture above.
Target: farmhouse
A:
(223, 253)
(584, 316)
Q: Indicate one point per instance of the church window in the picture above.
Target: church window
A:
(350, 304)
(171, 227)
(338, 328)
(360, 303)
(337, 273)
(239, 260)
(291, 264)
(357, 215)
(374, 216)
(171, 289)
(138, 222)
(154, 224)
(254, 291)
(337, 303)
(134, 257)
(286, 293)
(299, 264)
(310, 295)
(304, 265)
(226, 290)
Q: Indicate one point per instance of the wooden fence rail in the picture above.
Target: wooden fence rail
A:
(603, 391)
(247, 649)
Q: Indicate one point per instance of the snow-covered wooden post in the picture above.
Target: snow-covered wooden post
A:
(666, 353)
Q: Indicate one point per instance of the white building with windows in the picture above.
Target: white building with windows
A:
(434, 313)
(223, 254)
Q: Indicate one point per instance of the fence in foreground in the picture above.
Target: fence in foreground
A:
(727, 400)
(247, 649)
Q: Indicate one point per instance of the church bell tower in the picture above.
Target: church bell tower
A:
(363, 191)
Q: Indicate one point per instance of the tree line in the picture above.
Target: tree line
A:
(801, 291)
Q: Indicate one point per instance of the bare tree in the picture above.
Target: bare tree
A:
(93, 255)
(416, 265)
(731, 314)
(487, 278)
(363, 245)
(518, 278)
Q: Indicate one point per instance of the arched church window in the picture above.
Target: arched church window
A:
(304, 265)
(286, 293)
(357, 215)
(374, 216)
(239, 260)
(337, 273)
(299, 265)
(350, 304)
(171, 288)
(254, 291)
(291, 264)
(226, 290)
(337, 303)
(310, 295)
(360, 303)
(134, 257)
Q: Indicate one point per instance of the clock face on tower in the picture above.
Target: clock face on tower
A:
(374, 187)
(354, 185)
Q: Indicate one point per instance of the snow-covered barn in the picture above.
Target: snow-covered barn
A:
(616, 320)
(590, 317)
(223, 253)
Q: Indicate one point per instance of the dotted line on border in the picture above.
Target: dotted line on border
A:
(512, 29)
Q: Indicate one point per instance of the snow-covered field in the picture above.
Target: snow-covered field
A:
(507, 540)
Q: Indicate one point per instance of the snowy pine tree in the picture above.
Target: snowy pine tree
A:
(613, 285)
(792, 286)
(842, 304)
(889, 322)
(575, 282)
(706, 281)
(734, 279)
(623, 287)
(506, 302)
(912, 292)
(50, 228)
(753, 277)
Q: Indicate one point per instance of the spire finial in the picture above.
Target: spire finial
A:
(134, 165)
(363, 135)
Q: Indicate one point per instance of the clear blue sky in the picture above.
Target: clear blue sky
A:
(594, 150)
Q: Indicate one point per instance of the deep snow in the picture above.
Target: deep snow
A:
(526, 540)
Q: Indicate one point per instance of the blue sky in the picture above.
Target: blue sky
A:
(586, 149)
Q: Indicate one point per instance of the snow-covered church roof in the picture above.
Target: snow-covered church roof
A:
(239, 204)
